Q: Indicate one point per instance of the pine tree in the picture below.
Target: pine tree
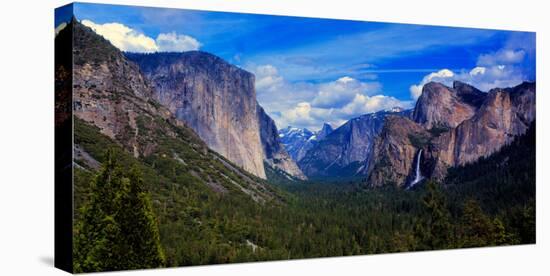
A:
(435, 230)
(476, 229)
(118, 229)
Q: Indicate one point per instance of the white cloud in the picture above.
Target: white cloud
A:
(340, 92)
(123, 37)
(503, 56)
(310, 105)
(363, 104)
(129, 40)
(268, 78)
(478, 71)
(503, 68)
(173, 42)
(483, 78)
(442, 76)
(486, 78)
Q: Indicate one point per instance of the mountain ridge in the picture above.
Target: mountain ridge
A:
(112, 99)
(196, 86)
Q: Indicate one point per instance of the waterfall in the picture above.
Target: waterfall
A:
(418, 174)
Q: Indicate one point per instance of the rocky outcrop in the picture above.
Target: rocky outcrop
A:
(213, 97)
(108, 90)
(394, 151)
(483, 123)
(469, 94)
(347, 150)
(324, 132)
(441, 106)
(504, 114)
(112, 99)
(274, 153)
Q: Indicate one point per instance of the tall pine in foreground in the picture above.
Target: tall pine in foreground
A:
(118, 229)
(434, 229)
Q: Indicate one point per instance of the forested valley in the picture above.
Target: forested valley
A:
(169, 219)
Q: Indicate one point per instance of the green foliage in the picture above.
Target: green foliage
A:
(199, 225)
(118, 229)
(435, 231)
(418, 140)
(504, 184)
(477, 229)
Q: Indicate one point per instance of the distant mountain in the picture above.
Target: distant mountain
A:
(275, 154)
(213, 97)
(346, 151)
(297, 141)
(447, 128)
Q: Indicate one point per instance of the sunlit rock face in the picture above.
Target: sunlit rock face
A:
(440, 105)
(215, 98)
(503, 115)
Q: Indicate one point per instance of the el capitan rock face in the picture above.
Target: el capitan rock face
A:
(215, 98)
(112, 97)
(274, 152)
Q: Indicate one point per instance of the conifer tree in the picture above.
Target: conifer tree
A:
(437, 229)
(118, 229)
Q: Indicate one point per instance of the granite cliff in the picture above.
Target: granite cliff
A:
(441, 106)
(503, 115)
(114, 102)
(452, 127)
(213, 97)
(394, 151)
(274, 152)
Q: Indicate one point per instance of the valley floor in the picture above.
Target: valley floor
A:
(488, 203)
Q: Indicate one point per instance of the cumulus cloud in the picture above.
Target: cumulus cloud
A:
(310, 105)
(173, 42)
(123, 37)
(129, 40)
(268, 78)
(304, 114)
(363, 104)
(440, 76)
(506, 67)
(501, 57)
(340, 92)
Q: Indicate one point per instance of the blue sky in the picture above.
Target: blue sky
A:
(309, 71)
